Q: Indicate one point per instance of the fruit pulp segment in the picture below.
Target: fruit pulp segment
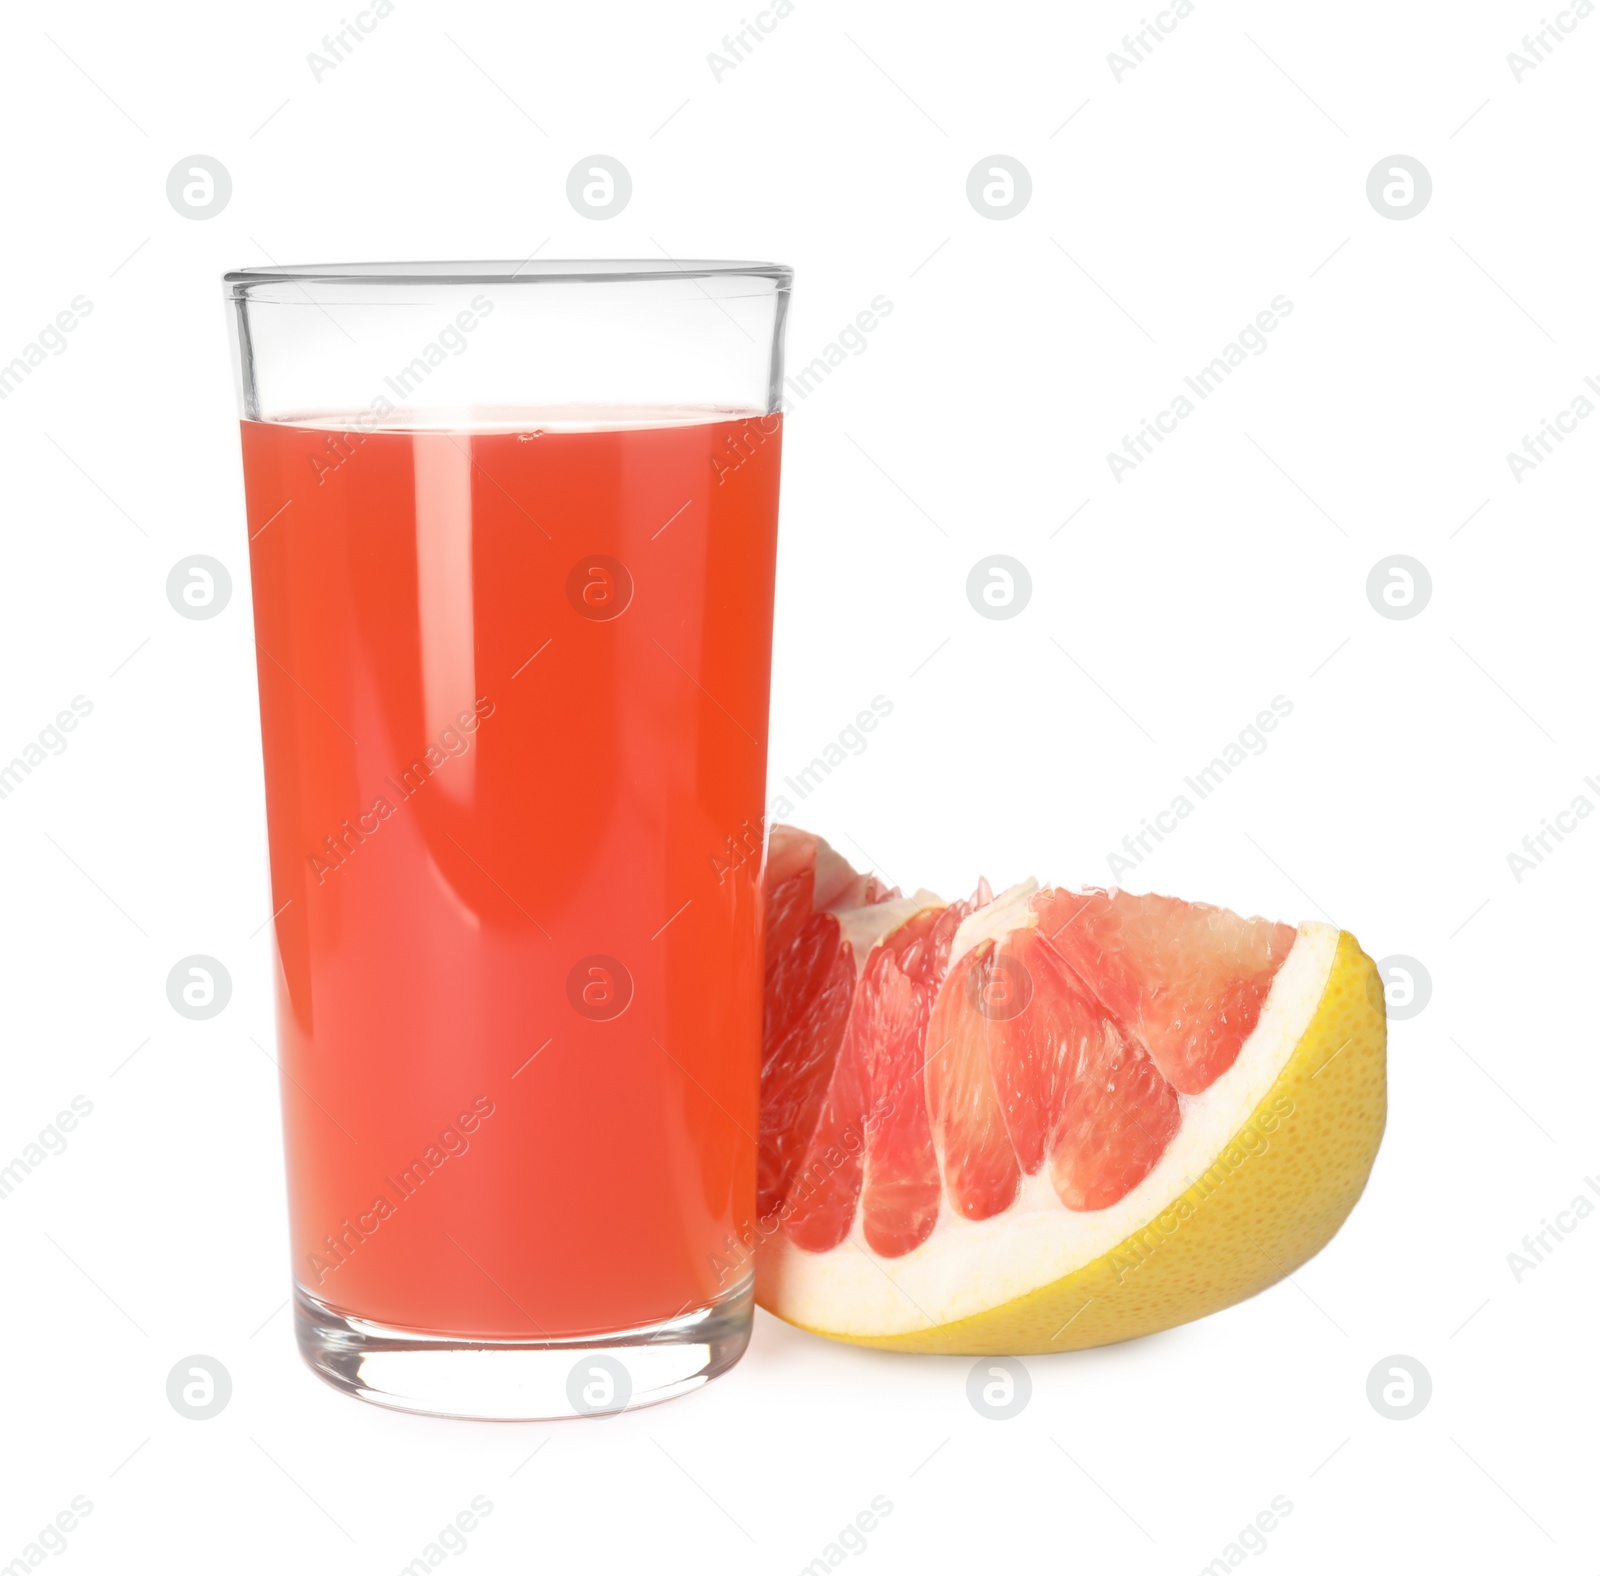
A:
(1062, 1045)
(902, 1188)
(1187, 979)
(810, 986)
(513, 705)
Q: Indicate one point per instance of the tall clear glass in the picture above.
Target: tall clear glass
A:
(512, 532)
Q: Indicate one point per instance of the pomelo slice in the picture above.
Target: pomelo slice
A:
(1048, 1119)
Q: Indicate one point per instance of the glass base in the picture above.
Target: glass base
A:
(522, 1381)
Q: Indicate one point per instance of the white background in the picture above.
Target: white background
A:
(1168, 208)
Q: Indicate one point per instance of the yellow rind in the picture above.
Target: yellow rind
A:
(1297, 1171)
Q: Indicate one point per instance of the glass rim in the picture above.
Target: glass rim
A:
(549, 271)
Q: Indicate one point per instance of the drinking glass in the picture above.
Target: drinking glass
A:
(512, 532)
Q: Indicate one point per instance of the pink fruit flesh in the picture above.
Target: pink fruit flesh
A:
(1063, 1045)
(1187, 980)
(900, 1203)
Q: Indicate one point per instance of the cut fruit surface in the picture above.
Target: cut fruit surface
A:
(968, 1106)
(1188, 980)
(811, 971)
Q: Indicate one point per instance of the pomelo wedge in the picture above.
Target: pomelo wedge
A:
(1046, 1120)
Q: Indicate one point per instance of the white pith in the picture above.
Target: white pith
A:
(967, 1266)
(865, 927)
(1011, 910)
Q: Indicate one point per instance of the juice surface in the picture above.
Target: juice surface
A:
(514, 682)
